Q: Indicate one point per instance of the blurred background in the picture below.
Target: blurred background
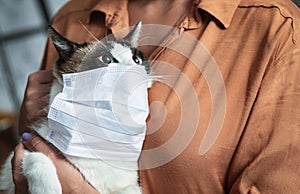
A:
(23, 25)
(23, 33)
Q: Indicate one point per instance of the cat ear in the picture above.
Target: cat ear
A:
(64, 47)
(133, 35)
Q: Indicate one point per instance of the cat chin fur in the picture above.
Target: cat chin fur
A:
(116, 180)
(41, 173)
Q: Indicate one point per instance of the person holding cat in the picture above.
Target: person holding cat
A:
(255, 45)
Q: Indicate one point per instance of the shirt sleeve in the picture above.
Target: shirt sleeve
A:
(267, 159)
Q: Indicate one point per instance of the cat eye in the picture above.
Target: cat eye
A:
(106, 58)
(137, 59)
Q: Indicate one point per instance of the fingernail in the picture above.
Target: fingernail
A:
(26, 136)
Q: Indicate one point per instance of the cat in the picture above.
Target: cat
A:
(38, 168)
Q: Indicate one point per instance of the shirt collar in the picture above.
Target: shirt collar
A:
(117, 15)
(222, 10)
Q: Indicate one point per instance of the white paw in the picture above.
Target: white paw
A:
(41, 174)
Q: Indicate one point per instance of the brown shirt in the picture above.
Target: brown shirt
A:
(228, 119)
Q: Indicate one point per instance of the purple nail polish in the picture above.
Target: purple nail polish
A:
(26, 136)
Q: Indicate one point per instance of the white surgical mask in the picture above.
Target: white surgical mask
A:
(101, 113)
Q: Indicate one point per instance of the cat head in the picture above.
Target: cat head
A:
(76, 57)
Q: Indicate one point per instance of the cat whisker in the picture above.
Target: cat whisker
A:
(161, 78)
(93, 36)
(88, 31)
(143, 39)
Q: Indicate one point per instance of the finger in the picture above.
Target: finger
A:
(42, 77)
(26, 122)
(36, 99)
(33, 142)
(17, 172)
(37, 144)
(35, 109)
(36, 90)
(38, 84)
(16, 161)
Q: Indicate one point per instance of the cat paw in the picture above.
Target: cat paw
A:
(41, 174)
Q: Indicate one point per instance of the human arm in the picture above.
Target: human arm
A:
(36, 99)
(268, 154)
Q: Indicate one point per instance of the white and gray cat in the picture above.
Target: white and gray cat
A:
(38, 168)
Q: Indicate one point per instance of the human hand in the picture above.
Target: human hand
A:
(70, 178)
(21, 186)
(36, 99)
